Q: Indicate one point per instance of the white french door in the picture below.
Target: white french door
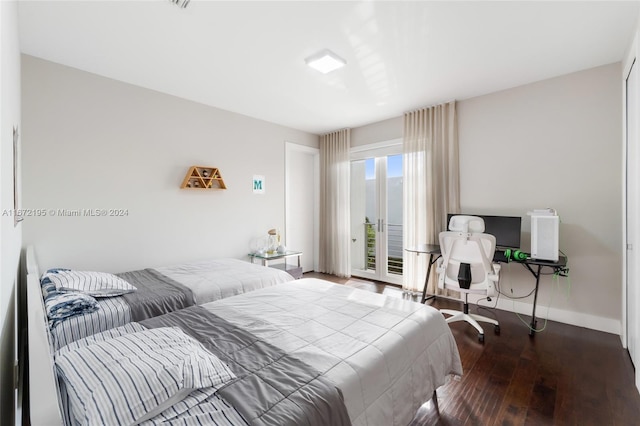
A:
(376, 214)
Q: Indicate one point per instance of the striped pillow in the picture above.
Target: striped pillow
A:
(96, 284)
(112, 333)
(131, 378)
(49, 288)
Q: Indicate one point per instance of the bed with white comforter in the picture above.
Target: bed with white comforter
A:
(312, 352)
(214, 279)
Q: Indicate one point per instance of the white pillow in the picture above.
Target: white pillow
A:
(96, 284)
(127, 379)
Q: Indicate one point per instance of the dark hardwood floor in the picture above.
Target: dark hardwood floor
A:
(565, 375)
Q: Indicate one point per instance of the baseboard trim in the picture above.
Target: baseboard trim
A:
(593, 322)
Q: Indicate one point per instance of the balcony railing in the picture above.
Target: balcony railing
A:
(394, 244)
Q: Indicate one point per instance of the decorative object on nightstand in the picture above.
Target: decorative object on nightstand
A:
(273, 241)
(199, 177)
(281, 248)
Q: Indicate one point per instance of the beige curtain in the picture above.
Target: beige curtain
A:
(335, 232)
(431, 185)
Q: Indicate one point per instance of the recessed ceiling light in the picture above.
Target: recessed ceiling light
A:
(325, 61)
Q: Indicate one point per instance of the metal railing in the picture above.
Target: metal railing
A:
(395, 247)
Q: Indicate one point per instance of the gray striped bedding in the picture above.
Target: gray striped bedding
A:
(96, 284)
(201, 407)
(113, 312)
(149, 376)
(252, 382)
(155, 295)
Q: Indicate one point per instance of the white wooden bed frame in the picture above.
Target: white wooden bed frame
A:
(44, 398)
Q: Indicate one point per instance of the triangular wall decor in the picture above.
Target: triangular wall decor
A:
(199, 177)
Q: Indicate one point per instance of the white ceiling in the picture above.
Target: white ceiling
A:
(248, 57)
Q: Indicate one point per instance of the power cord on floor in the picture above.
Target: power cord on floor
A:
(556, 287)
(556, 274)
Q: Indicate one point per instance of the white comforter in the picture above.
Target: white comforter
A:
(385, 354)
(214, 279)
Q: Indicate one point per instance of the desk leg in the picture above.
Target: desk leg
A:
(535, 301)
(426, 281)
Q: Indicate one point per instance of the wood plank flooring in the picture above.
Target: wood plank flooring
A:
(565, 375)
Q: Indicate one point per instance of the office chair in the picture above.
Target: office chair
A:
(466, 266)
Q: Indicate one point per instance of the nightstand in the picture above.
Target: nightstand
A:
(266, 258)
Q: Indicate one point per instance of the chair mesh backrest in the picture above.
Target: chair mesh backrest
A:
(468, 251)
(474, 248)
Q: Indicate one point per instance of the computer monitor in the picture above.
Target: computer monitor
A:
(506, 229)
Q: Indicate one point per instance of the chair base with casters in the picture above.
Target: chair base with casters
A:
(471, 319)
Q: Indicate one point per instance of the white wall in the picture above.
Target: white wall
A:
(554, 143)
(380, 131)
(9, 234)
(96, 143)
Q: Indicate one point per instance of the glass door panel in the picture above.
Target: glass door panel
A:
(395, 247)
(376, 218)
(364, 216)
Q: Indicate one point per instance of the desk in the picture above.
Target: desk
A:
(560, 265)
(532, 265)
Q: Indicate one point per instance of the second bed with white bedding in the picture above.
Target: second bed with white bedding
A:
(184, 285)
(215, 279)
